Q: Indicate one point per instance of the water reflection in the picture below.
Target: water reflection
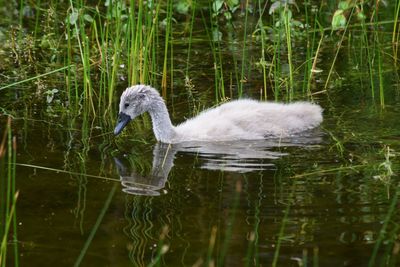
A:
(135, 183)
(233, 156)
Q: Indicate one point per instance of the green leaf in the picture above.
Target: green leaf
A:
(216, 35)
(232, 4)
(297, 23)
(217, 5)
(182, 7)
(343, 5)
(274, 7)
(338, 20)
(361, 16)
(228, 15)
(73, 17)
(88, 18)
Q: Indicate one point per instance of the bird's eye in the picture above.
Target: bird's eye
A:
(126, 105)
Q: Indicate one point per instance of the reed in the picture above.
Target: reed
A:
(151, 45)
(4, 242)
(263, 35)
(244, 51)
(379, 53)
(370, 59)
(135, 35)
(162, 248)
(287, 24)
(211, 246)
(37, 16)
(309, 52)
(8, 197)
(76, 20)
(230, 224)
(315, 257)
(221, 79)
(312, 52)
(188, 81)
(213, 35)
(383, 233)
(21, 16)
(252, 255)
(65, 171)
(275, 70)
(96, 225)
(380, 77)
(190, 40)
(34, 77)
(167, 42)
(339, 46)
(395, 32)
(114, 11)
(281, 233)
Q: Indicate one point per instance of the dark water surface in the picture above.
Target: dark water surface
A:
(90, 199)
(320, 204)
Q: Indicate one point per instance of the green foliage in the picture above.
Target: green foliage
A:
(340, 16)
(385, 169)
(50, 94)
(344, 5)
(8, 197)
(282, 10)
(182, 6)
(338, 20)
(225, 8)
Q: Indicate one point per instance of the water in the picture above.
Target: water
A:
(90, 199)
(334, 216)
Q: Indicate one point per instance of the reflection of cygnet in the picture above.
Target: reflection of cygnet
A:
(243, 156)
(243, 119)
(134, 183)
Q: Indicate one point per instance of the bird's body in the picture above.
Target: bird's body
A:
(243, 119)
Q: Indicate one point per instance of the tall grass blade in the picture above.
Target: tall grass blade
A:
(96, 226)
(35, 77)
(339, 46)
(242, 75)
(383, 232)
(168, 38)
(9, 218)
(8, 196)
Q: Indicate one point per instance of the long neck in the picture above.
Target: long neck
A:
(162, 126)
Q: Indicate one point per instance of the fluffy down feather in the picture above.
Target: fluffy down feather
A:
(243, 119)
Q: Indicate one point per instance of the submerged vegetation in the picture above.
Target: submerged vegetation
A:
(65, 63)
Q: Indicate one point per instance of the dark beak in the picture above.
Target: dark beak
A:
(123, 120)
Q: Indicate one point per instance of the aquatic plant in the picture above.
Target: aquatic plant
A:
(385, 169)
(8, 197)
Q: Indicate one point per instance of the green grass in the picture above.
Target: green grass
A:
(135, 40)
(385, 235)
(167, 44)
(214, 35)
(96, 226)
(263, 62)
(253, 249)
(243, 77)
(221, 258)
(281, 234)
(8, 198)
